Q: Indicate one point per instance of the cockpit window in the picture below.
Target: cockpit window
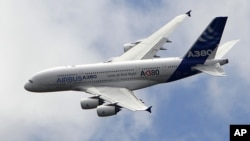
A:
(30, 81)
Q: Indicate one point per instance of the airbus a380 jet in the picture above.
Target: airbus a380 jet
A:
(111, 83)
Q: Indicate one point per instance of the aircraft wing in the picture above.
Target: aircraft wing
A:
(119, 96)
(148, 47)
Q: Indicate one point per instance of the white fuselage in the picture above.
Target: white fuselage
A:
(131, 74)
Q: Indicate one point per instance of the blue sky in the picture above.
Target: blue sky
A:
(36, 35)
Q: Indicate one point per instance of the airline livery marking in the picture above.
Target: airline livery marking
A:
(199, 53)
(75, 78)
(153, 72)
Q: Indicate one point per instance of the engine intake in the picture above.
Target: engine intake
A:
(107, 110)
(90, 103)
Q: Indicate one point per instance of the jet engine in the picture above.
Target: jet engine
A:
(90, 103)
(107, 110)
(128, 46)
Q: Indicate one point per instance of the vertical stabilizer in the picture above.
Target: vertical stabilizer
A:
(207, 43)
(204, 48)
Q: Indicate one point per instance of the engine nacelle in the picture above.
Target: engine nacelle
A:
(90, 103)
(128, 46)
(107, 110)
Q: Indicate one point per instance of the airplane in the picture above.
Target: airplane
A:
(112, 83)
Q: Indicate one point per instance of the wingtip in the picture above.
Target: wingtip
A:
(149, 109)
(189, 13)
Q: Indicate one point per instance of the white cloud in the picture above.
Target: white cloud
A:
(35, 35)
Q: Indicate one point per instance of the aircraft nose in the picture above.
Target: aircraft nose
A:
(27, 86)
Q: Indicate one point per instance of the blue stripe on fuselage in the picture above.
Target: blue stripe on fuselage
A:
(184, 69)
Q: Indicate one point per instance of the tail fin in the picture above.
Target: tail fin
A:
(204, 48)
(208, 41)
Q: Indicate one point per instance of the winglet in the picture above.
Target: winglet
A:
(149, 109)
(189, 13)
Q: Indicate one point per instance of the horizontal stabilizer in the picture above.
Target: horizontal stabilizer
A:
(214, 70)
(224, 48)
